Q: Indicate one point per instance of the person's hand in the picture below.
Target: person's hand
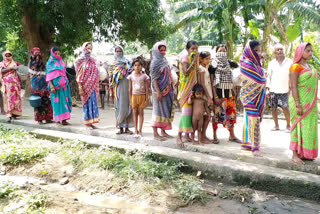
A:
(81, 92)
(14, 68)
(299, 109)
(159, 96)
(52, 89)
(196, 57)
(147, 102)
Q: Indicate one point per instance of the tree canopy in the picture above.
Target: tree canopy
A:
(69, 23)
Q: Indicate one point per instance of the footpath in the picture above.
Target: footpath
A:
(274, 172)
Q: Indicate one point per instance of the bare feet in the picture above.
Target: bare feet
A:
(256, 153)
(245, 149)
(188, 138)
(40, 122)
(159, 138)
(195, 142)
(276, 128)
(164, 134)
(296, 158)
(180, 143)
(206, 140)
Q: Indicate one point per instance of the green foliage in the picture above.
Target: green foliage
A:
(190, 190)
(6, 188)
(14, 136)
(18, 147)
(294, 31)
(136, 166)
(36, 203)
(20, 154)
(69, 23)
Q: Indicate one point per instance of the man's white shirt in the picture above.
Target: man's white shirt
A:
(278, 76)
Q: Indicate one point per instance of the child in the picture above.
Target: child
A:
(102, 91)
(138, 94)
(205, 81)
(199, 107)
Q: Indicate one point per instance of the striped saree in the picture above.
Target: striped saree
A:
(185, 89)
(252, 95)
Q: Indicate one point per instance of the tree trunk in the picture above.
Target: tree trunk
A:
(36, 35)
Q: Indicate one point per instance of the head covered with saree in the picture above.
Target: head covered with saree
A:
(7, 62)
(55, 66)
(87, 73)
(252, 92)
(36, 63)
(119, 57)
(85, 51)
(299, 51)
(159, 61)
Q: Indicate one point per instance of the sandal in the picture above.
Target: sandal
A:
(65, 123)
(235, 140)
(216, 141)
(275, 129)
(120, 132)
(128, 132)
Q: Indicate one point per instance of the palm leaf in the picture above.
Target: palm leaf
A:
(308, 12)
(200, 5)
(194, 17)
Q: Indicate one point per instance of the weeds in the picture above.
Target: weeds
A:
(18, 154)
(14, 136)
(241, 194)
(129, 167)
(137, 166)
(6, 189)
(36, 203)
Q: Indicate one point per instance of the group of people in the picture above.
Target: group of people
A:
(205, 93)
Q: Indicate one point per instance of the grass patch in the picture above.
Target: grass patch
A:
(137, 166)
(21, 154)
(16, 136)
(20, 147)
(36, 203)
(6, 188)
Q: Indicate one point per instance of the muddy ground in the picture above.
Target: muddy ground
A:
(98, 191)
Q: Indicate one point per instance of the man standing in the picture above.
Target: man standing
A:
(278, 85)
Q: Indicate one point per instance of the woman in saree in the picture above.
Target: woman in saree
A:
(252, 96)
(188, 66)
(303, 106)
(225, 104)
(10, 86)
(39, 87)
(120, 84)
(162, 92)
(88, 80)
(59, 87)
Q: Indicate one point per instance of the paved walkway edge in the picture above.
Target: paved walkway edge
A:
(217, 151)
(260, 177)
